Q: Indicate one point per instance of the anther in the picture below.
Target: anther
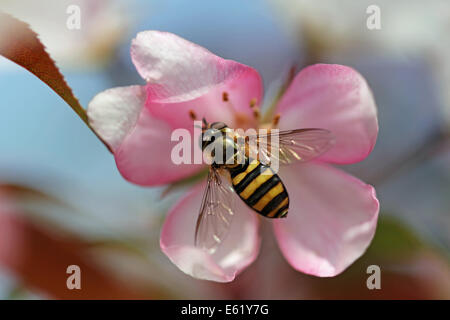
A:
(225, 96)
(256, 113)
(255, 109)
(275, 120)
(192, 115)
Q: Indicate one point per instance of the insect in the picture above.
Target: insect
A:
(235, 170)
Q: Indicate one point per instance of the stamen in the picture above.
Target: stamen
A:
(256, 113)
(241, 119)
(290, 76)
(276, 120)
(255, 109)
(192, 115)
(225, 96)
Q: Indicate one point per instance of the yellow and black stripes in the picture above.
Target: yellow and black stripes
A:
(260, 188)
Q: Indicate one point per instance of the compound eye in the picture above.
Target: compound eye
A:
(208, 137)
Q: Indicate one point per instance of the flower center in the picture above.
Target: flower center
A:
(242, 120)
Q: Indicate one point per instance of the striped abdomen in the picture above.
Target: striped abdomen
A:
(260, 188)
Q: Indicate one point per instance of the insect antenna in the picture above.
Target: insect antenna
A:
(205, 123)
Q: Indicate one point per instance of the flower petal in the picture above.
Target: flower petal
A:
(114, 112)
(178, 70)
(141, 143)
(144, 157)
(237, 251)
(235, 112)
(336, 98)
(331, 222)
(183, 76)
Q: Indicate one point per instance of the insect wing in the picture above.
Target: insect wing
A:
(216, 212)
(299, 145)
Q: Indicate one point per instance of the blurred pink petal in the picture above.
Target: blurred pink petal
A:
(336, 98)
(331, 222)
(39, 260)
(238, 250)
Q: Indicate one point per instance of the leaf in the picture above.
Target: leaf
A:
(21, 45)
(394, 239)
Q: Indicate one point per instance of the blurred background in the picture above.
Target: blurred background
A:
(63, 202)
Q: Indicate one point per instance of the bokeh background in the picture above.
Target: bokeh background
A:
(63, 202)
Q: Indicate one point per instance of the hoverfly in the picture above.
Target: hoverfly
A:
(251, 178)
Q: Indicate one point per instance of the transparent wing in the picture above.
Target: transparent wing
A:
(291, 145)
(216, 212)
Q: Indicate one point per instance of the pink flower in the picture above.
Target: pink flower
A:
(332, 216)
